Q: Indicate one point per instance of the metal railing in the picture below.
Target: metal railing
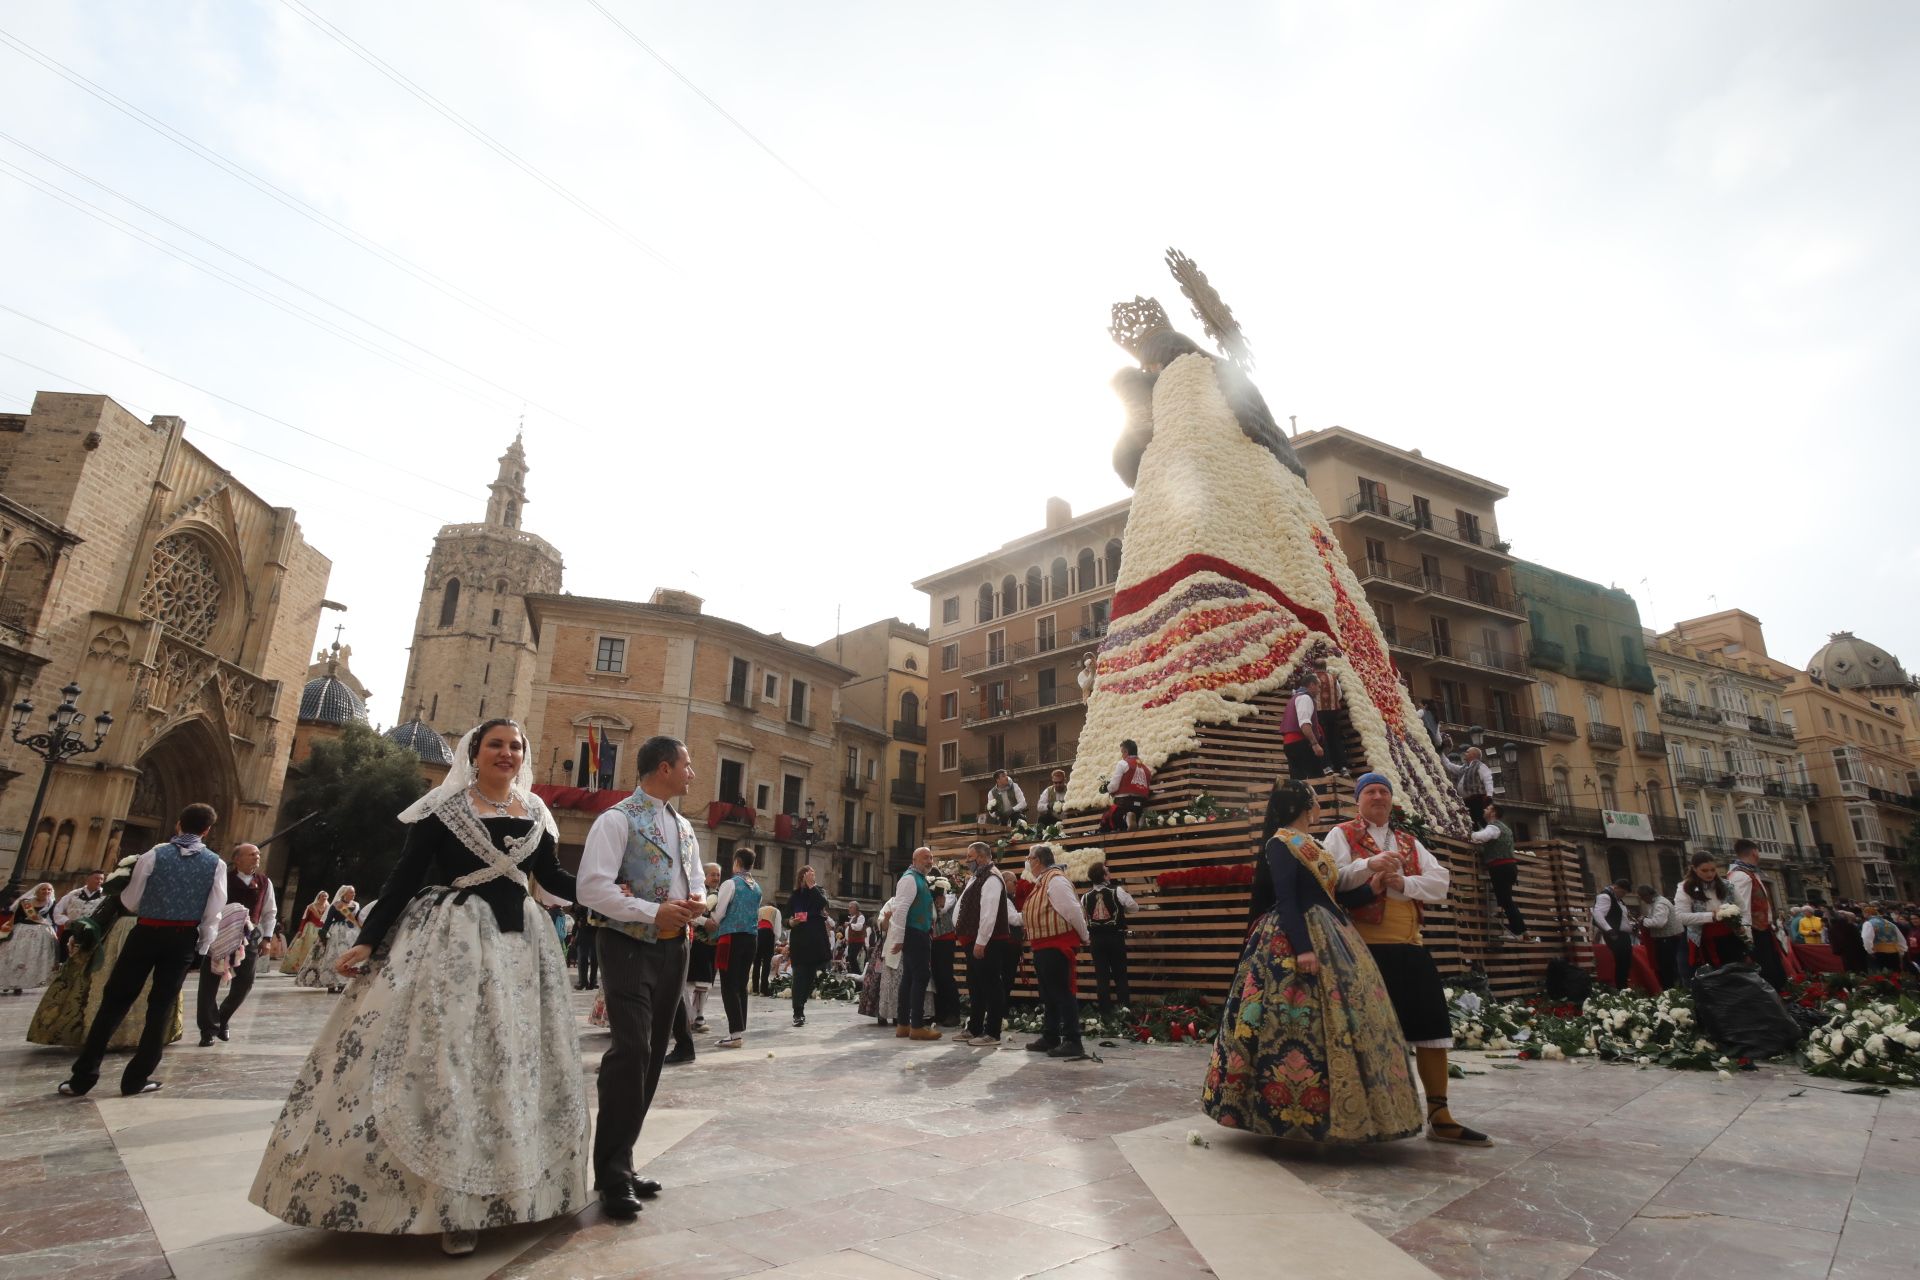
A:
(1472, 593)
(904, 791)
(1550, 654)
(1064, 695)
(1393, 572)
(1681, 709)
(1021, 651)
(855, 784)
(1666, 827)
(1559, 726)
(1592, 666)
(1637, 676)
(908, 731)
(1576, 818)
(1604, 735)
(1649, 744)
(1492, 719)
(1475, 535)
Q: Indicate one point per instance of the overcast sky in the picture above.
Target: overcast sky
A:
(1650, 266)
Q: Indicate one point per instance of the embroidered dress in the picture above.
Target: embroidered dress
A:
(445, 1091)
(304, 941)
(341, 935)
(30, 953)
(1315, 1058)
(69, 1002)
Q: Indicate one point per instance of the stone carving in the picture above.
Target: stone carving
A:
(111, 645)
(183, 589)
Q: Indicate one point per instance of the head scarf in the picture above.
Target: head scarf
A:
(1368, 779)
(460, 776)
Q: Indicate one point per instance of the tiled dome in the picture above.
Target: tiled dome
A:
(1848, 662)
(417, 736)
(325, 700)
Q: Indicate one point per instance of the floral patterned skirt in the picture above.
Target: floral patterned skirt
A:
(28, 957)
(317, 970)
(303, 942)
(445, 1092)
(69, 1002)
(1316, 1059)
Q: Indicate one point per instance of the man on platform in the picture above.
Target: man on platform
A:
(1756, 911)
(1053, 800)
(645, 844)
(1473, 781)
(1330, 716)
(1613, 925)
(176, 893)
(1502, 863)
(1056, 930)
(910, 936)
(1129, 787)
(984, 923)
(252, 890)
(1300, 731)
(1006, 802)
(1405, 875)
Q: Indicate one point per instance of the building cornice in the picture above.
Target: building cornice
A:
(1336, 439)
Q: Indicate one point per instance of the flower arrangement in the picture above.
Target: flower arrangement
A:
(1222, 875)
(1204, 809)
(1872, 1041)
(1181, 1018)
(1024, 832)
(1076, 862)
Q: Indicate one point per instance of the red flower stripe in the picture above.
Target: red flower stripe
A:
(1220, 875)
(1259, 669)
(1192, 625)
(1142, 594)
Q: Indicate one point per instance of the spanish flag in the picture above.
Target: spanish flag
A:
(590, 775)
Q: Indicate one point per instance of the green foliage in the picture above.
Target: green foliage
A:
(357, 784)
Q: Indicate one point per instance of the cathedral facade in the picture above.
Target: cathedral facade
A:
(181, 603)
(473, 653)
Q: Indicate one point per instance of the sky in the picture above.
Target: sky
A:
(800, 303)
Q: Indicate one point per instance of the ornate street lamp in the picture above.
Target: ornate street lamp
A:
(62, 740)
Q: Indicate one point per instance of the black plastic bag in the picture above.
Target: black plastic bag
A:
(1568, 981)
(1741, 1013)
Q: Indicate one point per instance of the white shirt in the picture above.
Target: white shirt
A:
(1464, 773)
(1052, 801)
(903, 895)
(598, 877)
(1603, 907)
(74, 907)
(1016, 798)
(269, 908)
(216, 892)
(1060, 897)
(1658, 918)
(1120, 895)
(1430, 885)
(1304, 714)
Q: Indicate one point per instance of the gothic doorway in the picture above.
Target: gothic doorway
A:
(185, 766)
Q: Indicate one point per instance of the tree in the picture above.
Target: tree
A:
(357, 784)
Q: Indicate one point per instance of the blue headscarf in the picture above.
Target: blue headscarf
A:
(1368, 779)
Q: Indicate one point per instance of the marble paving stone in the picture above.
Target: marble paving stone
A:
(1887, 1200)
(1570, 1198)
(788, 1235)
(1386, 1198)
(1872, 1251)
(1313, 1244)
(1816, 1148)
(1170, 1245)
(133, 1257)
(984, 1246)
(676, 1255)
(1117, 1210)
(848, 1264)
(992, 1186)
(1125, 1263)
(1704, 1247)
(1098, 1157)
(1895, 1155)
(44, 1215)
(1775, 1193)
(1222, 1179)
(319, 1255)
(1466, 1251)
(897, 1164)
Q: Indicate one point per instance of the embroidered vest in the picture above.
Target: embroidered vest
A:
(177, 890)
(1499, 850)
(743, 910)
(1137, 780)
(857, 930)
(967, 924)
(1886, 937)
(920, 914)
(1759, 905)
(1290, 718)
(1370, 917)
(645, 867)
(1043, 922)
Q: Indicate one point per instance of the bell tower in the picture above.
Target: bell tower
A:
(473, 649)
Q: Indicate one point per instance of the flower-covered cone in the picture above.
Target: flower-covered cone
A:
(1229, 579)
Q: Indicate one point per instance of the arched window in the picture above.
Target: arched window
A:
(913, 664)
(909, 708)
(1089, 576)
(1582, 638)
(1113, 560)
(1036, 587)
(23, 588)
(1009, 595)
(450, 602)
(1655, 806)
(1640, 717)
(1057, 579)
(984, 612)
(500, 587)
(183, 588)
(1562, 789)
(1609, 795)
(42, 844)
(513, 516)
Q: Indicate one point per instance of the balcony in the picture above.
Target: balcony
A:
(1637, 676)
(908, 731)
(1666, 828)
(1463, 719)
(855, 784)
(1480, 598)
(1604, 735)
(1498, 662)
(722, 814)
(1680, 709)
(975, 768)
(1066, 695)
(1649, 744)
(1559, 726)
(1550, 654)
(1592, 666)
(1771, 728)
(1392, 578)
(1038, 650)
(1519, 793)
(1057, 753)
(1692, 775)
(1899, 798)
(1574, 818)
(1800, 790)
(907, 792)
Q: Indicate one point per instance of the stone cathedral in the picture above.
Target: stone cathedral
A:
(473, 648)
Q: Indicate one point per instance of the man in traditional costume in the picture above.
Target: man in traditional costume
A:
(1056, 930)
(176, 893)
(643, 843)
(856, 937)
(735, 919)
(1053, 799)
(80, 902)
(1756, 911)
(1006, 802)
(1129, 787)
(1404, 875)
(1502, 863)
(984, 923)
(247, 888)
(910, 938)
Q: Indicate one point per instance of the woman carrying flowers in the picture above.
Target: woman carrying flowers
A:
(1706, 906)
(1309, 1047)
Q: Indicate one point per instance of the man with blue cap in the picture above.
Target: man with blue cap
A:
(1404, 875)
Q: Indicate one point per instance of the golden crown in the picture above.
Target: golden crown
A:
(1134, 322)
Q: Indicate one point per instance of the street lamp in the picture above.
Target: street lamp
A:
(61, 740)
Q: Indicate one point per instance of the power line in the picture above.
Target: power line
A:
(705, 97)
(260, 184)
(258, 413)
(201, 431)
(467, 126)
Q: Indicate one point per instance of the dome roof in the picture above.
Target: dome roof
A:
(325, 700)
(1848, 662)
(417, 736)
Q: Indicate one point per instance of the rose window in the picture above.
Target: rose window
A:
(183, 588)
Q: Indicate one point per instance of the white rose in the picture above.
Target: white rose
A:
(1553, 1052)
(1837, 1042)
(1857, 1059)
(1911, 1039)
(1877, 1046)
(1817, 1056)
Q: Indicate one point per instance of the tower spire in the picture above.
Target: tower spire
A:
(509, 488)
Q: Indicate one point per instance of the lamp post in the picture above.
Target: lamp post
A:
(60, 741)
(812, 830)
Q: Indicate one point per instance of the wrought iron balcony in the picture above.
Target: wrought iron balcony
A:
(855, 784)
(1681, 709)
(1390, 575)
(1559, 726)
(1649, 744)
(1592, 666)
(1800, 790)
(1637, 676)
(1575, 818)
(1065, 695)
(1550, 654)
(1668, 828)
(906, 791)
(1604, 735)
(1057, 752)
(908, 731)
(1488, 598)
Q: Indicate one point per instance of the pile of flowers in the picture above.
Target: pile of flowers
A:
(827, 986)
(1024, 832)
(1816, 991)
(1871, 1040)
(1657, 1031)
(1181, 1018)
(1221, 875)
(1204, 809)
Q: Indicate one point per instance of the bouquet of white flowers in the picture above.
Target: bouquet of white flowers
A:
(1728, 912)
(1875, 1041)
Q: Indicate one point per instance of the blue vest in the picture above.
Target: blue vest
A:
(743, 911)
(178, 887)
(644, 866)
(920, 914)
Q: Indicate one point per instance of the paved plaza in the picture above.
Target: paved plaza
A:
(840, 1152)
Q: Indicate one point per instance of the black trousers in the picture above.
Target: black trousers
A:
(1503, 876)
(1766, 953)
(916, 972)
(806, 969)
(1333, 735)
(1015, 957)
(1302, 763)
(587, 957)
(855, 952)
(1619, 945)
(1121, 810)
(763, 962)
(733, 982)
(213, 1013)
(946, 987)
(682, 1030)
(1885, 961)
(1476, 809)
(159, 952)
(1670, 960)
(987, 984)
(1060, 1010)
(1109, 948)
(643, 981)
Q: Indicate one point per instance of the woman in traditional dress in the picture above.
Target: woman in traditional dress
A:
(879, 985)
(339, 935)
(30, 951)
(1309, 1047)
(312, 921)
(1705, 904)
(445, 1094)
(93, 947)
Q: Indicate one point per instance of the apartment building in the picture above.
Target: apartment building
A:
(883, 794)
